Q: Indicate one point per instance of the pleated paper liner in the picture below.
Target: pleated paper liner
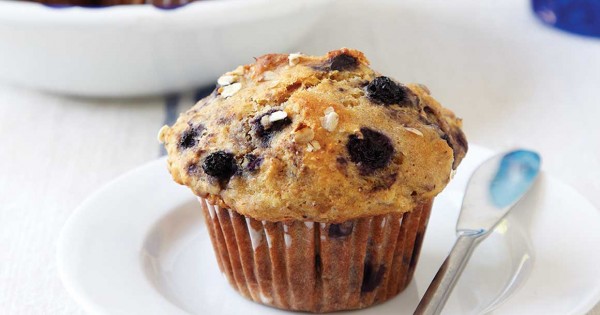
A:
(317, 267)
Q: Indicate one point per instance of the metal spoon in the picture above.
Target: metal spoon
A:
(493, 189)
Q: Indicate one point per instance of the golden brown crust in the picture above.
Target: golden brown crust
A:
(302, 168)
(266, 63)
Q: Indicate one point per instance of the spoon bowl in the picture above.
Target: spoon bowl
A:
(495, 187)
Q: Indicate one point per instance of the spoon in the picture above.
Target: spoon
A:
(493, 189)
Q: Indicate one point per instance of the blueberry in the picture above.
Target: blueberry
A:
(266, 133)
(384, 90)
(189, 136)
(371, 277)
(458, 144)
(343, 62)
(341, 230)
(192, 169)
(254, 162)
(446, 138)
(372, 152)
(219, 164)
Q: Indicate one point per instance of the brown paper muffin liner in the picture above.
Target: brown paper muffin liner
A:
(317, 267)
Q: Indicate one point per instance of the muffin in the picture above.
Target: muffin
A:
(316, 176)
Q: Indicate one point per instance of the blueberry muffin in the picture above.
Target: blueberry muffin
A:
(316, 176)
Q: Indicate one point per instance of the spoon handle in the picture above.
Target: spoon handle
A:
(442, 284)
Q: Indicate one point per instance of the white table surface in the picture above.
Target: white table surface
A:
(57, 150)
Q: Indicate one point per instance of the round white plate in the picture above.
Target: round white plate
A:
(139, 246)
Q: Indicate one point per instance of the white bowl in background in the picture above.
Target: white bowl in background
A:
(124, 51)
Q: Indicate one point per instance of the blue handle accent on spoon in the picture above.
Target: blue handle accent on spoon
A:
(516, 173)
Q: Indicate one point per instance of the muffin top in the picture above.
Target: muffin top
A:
(314, 138)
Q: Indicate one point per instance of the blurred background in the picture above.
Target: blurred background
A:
(84, 90)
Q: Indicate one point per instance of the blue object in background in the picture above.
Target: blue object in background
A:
(575, 16)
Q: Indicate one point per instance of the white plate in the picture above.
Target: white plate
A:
(139, 246)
